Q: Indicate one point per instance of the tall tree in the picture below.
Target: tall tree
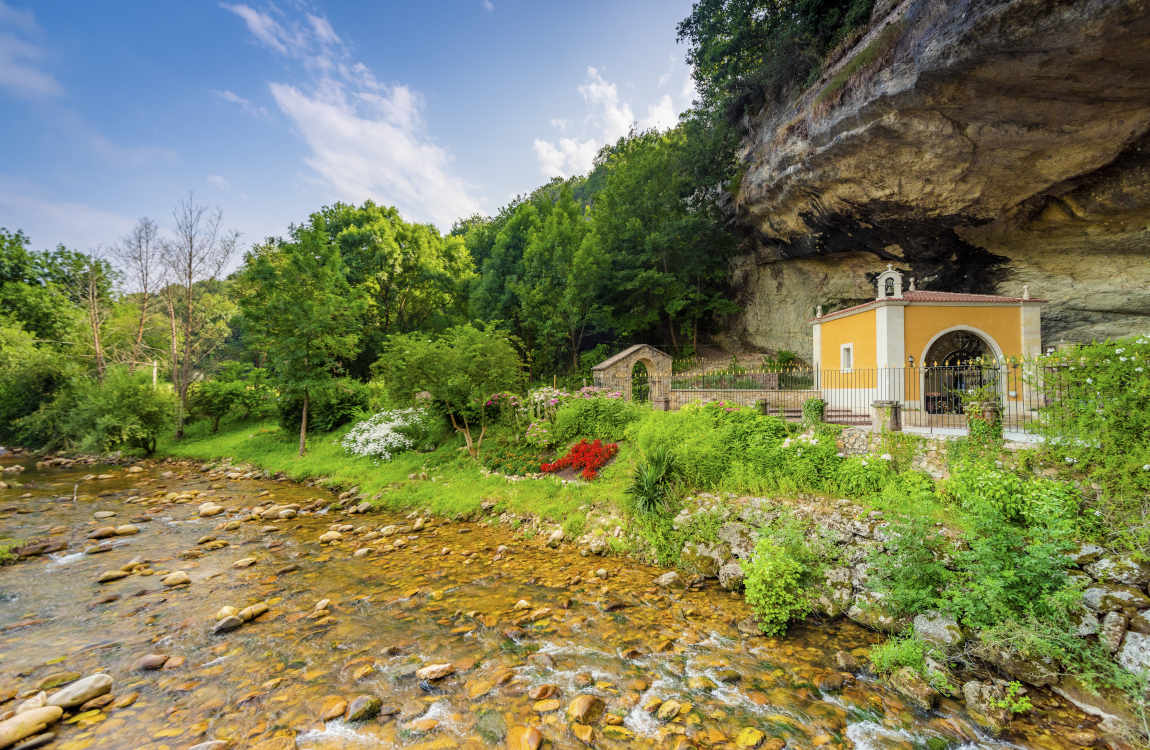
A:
(299, 308)
(139, 255)
(191, 262)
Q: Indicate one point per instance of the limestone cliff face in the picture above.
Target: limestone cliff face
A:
(979, 145)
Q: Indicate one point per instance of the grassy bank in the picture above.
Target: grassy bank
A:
(456, 485)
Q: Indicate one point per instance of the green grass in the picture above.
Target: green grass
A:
(456, 487)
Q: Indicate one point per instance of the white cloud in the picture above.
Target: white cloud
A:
(20, 57)
(246, 104)
(488, 6)
(323, 30)
(218, 181)
(609, 118)
(264, 28)
(366, 139)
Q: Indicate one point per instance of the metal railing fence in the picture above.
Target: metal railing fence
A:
(932, 397)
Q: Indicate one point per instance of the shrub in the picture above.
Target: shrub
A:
(780, 576)
(387, 433)
(31, 376)
(123, 413)
(864, 476)
(1098, 421)
(813, 411)
(652, 480)
(909, 572)
(330, 405)
(596, 417)
(587, 458)
(898, 652)
(460, 368)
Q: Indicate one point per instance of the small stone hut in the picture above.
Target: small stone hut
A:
(618, 373)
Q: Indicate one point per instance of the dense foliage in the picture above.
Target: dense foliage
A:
(747, 53)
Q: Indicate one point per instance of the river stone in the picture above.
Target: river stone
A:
(705, 559)
(151, 661)
(100, 515)
(81, 691)
(911, 684)
(981, 703)
(669, 710)
(244, 562)
(554, 540)
(103, 532)
(866, 609)
(28, 723)
(176, 578)
(211, 745)
(435, 671)
(207, 510)
(1085, 554)
(226, 611)
(939, 629)
(749, 737)
(1111, 632)
(670, 580)
(227, 624)
(39, 700)
(363, 707)
(739, 538)
(1113, 597)
(332, 707)
(247, 614)
(1037, 672)
(1088, 624)
(37, 740)
(330, 536)
(1122, 569)
(1140, 623)
(127, 529)
(1135, 653)
(585, 709)
(731, 576)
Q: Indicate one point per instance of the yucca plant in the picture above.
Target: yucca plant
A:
(653, 480)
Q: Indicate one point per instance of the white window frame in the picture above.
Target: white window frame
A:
(847, 351)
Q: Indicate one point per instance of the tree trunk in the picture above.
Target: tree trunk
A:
(303, 426)
(138, 344)
(175, 366)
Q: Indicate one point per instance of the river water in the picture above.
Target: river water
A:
(526, 629)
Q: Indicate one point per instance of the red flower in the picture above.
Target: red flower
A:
(584, 456)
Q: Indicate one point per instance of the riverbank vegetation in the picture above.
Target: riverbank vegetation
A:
(446, 372)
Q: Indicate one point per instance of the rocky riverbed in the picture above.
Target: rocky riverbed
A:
(177, 606)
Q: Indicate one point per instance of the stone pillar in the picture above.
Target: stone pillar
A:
(890, 350)
(886, 416)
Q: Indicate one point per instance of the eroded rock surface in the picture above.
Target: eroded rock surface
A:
(985, 145)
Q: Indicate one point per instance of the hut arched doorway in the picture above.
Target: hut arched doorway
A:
(957, 362)
(640, 382)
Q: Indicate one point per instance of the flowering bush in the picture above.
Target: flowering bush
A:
(597, 391)
(584, 456)
(1096, 423)
(542, 403)
(386, 434)
(539, 435)
(510, 459)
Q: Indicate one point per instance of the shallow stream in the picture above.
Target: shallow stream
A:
(526, 630)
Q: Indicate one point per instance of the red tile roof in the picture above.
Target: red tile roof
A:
(922, 296)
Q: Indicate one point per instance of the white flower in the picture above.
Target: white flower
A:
(1071, 460)
(1145, 467)
(885, 457)
(1090, 380)
(380, 437)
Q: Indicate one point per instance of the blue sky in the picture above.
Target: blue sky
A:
(112, 111)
